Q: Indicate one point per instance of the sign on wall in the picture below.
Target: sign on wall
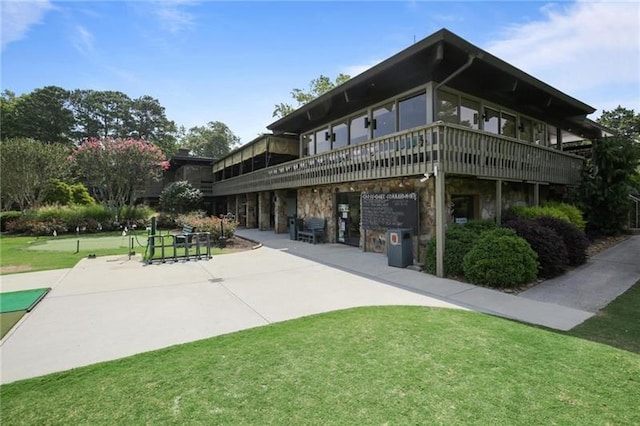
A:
(390, 210)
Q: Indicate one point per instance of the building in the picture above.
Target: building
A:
(441, 132)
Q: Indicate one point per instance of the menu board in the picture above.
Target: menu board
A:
(390, 210)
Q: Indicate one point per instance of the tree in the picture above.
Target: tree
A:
(8, 128)
(214, 140)
(113, 169)
(623, 120)
(100, 114)
(44, 115)
(26, 166)
(56, 191)
(148, 121)
(180, 197)
(607, 180)
(317, 87)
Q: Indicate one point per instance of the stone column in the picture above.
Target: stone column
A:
(264, 207)
(252, 210)
(281, 220)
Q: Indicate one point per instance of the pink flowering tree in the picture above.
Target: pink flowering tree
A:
(114, 169)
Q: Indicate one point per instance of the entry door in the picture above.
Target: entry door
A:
(348, 218)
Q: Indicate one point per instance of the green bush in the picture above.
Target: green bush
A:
(573, 213)
(501, 259)
(574, 239)
(534, 212)
(7, 217)
(548, 245)
(136, 213)
(210, 224)
(80, 195)
(458, 241)
(56, 192)
(180, 197)
(42, 221)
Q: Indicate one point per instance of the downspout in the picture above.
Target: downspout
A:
(440, 177)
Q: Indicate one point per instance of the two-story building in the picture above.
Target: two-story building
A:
(441, 132)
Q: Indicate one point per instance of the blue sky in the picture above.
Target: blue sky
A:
(233, 61)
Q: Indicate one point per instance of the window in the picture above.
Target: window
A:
(553, 136)
(323, 141)
(447, 107)
(308, 144)
(357, 130)
(384, 119)
(508, 125)
(525, 130)
(539, 134)
(491, 120)
(463, 208)
(469, 112)
(340, 135)
(412, 112)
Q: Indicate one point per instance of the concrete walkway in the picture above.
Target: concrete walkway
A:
(113, 307)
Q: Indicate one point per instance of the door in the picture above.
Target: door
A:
(348, 218)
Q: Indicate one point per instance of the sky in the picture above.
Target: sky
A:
(234, 61)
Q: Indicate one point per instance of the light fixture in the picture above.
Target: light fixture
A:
(425, 178)
(435, 171)
(402, 182)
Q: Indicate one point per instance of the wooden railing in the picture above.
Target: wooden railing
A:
(453, 149)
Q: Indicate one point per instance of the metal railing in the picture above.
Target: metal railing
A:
(634, 212)
(453, 149)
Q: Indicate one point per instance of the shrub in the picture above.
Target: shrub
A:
(574, 239)
(80, 195)
(210, 224)
(166, 220)
(573, 213)
(56, 192)
(501, 259)
(548, 245)
(180, 197)
(7, 217)
(533, 212)
(458, 241)
(44, 220)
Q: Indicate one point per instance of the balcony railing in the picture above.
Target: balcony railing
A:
(453, 149)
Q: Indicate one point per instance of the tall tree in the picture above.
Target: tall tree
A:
(148, 121)
(8, 128)
(113, 169)
(100, 114)
(317, 86)
(26, 167)
(214, 140)
(623, 120)
(44, 115)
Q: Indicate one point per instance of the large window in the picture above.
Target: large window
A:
(357, 130)
(491, 120)
(508, 125)
(323, 141)
(412, 112)
(469, 113)
(340, 135)
(384, 119)
(448, 107)
(308, 144)
(525, 130)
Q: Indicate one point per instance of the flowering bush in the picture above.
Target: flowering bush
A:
(210, 224)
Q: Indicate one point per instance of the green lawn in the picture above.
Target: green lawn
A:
(380, 365)
(29, 254)
(618, 324)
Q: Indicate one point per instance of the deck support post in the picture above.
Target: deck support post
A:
(536, 194)
(499, 202)
(440, 223)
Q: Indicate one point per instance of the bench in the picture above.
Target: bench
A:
(185, 236)
(313, 230)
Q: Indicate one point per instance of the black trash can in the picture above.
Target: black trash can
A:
(399, 247)
(293, 230)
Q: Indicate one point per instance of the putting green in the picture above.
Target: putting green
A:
(89, 243)
(8, 320)
(21, 300)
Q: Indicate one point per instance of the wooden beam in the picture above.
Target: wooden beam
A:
(440, 223)
(536, 194)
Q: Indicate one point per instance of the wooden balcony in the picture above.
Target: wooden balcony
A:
(453, 149)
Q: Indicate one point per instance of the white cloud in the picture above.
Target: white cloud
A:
(173, 17)
(578, 47)
(19, 16)
(82, 40)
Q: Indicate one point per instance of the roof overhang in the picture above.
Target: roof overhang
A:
(435, 59)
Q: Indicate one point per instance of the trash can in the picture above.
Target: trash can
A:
(399, 247)
(293, 231)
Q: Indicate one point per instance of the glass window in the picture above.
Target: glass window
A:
(491, 120)
(508, 125)
(358, 133)
(469, 113)
(340, 135)
(525, 130)
(308, 145)
(385, 120)
(323, 141)
(447, 107)
(553, 136)
(539, 134)
(413, 112)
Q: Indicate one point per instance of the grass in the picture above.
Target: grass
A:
(396, 365)
(618, 324)
(30, 254)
